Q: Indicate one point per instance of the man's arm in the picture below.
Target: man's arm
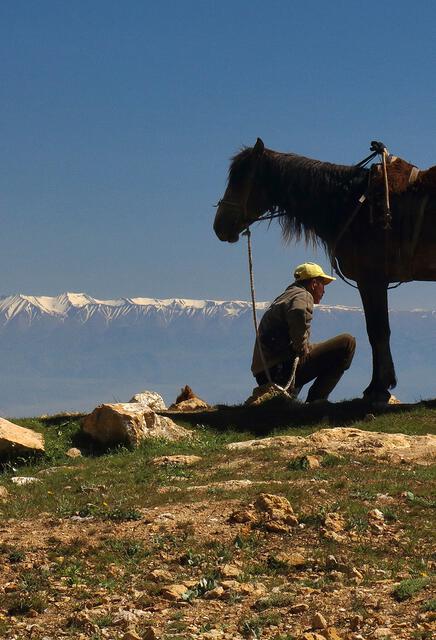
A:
(298, 318)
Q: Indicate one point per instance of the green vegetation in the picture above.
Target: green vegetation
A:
(106, 520)
(407, 588)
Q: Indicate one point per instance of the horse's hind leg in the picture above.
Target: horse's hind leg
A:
(375, 304)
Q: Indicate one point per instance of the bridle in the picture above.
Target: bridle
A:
(269, 215)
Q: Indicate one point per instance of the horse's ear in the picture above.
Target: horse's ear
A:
(259, 147)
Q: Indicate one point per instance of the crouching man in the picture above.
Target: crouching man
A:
(284, 333)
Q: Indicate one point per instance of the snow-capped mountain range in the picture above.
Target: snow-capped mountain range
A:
(73, 351)
(83, 307)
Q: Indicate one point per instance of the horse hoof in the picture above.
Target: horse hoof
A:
(376, 396)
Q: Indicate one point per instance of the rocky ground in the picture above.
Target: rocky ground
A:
(278, 539)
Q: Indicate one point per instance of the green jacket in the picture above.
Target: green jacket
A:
(284, 330)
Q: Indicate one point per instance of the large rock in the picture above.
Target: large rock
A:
(129, 423)
(15, 440)
(385, 447)
(150, 399)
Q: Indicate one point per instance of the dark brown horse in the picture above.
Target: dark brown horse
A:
(320, 201)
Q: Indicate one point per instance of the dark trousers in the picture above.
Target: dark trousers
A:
(325, 363)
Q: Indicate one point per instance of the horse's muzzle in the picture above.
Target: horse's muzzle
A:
(224, 231)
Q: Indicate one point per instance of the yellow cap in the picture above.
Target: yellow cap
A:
(310, 270)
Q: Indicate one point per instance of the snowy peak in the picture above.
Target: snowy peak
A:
(82, 308)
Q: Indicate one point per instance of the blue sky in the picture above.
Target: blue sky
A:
(118, 120)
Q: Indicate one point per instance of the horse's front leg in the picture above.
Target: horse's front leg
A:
(375, 304)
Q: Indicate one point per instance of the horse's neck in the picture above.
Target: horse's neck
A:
(317, 194)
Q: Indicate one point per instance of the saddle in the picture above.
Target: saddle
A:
(402, 176)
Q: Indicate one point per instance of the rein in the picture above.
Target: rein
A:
(291, 382)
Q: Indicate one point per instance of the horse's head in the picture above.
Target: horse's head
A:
(244, 200)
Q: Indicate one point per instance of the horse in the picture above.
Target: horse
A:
(374, 236)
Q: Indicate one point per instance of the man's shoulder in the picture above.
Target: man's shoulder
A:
(295, 291)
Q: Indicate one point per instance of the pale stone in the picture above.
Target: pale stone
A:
(318, 621)
(230, 485)
(293, 560)
(331, 634)
(131, 635)
(74, 453)
(230, 584)
(394, 400)
(125, 619)
(51, 470)
(213, 634)
(192, 404)
(334, 522)
(4, 493)
(23, 480)
(15, 440)
(312, 636)
(230, 571)
(158, 575)
(356, 574)
(312, 462)
(275, 526)
(149, 399)
(129, 423)
(385, 447)
(376, 514)
(242, 516)
(176, 460)
(299, 607)
(214, 594)
(382, 633)
(276, 513)
(332, 535)
(274, 505)
(174, 591)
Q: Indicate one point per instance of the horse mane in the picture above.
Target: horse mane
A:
(316, 197)
(313, 197)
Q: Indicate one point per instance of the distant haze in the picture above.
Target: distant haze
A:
(73, 352)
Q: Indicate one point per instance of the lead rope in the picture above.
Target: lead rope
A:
(291, 383)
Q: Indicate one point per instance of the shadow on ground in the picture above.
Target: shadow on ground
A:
(280, 412)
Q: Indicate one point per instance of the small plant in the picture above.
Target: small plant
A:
(298, 464)
(126, 549)
(389, 515)
(19, 604)
(277, 566)
(205, 584)
(191, 559)
(407, 588)
(221, 551)
(16, 556)
(104, 621)
(248, 542)
(120, 514)
(430, 605)
(251, 628)
(420, 500)
(331, 460)
(275, 600)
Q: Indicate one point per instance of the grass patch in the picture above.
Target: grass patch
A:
(407, 588)
(276, 600)
(430, 605)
